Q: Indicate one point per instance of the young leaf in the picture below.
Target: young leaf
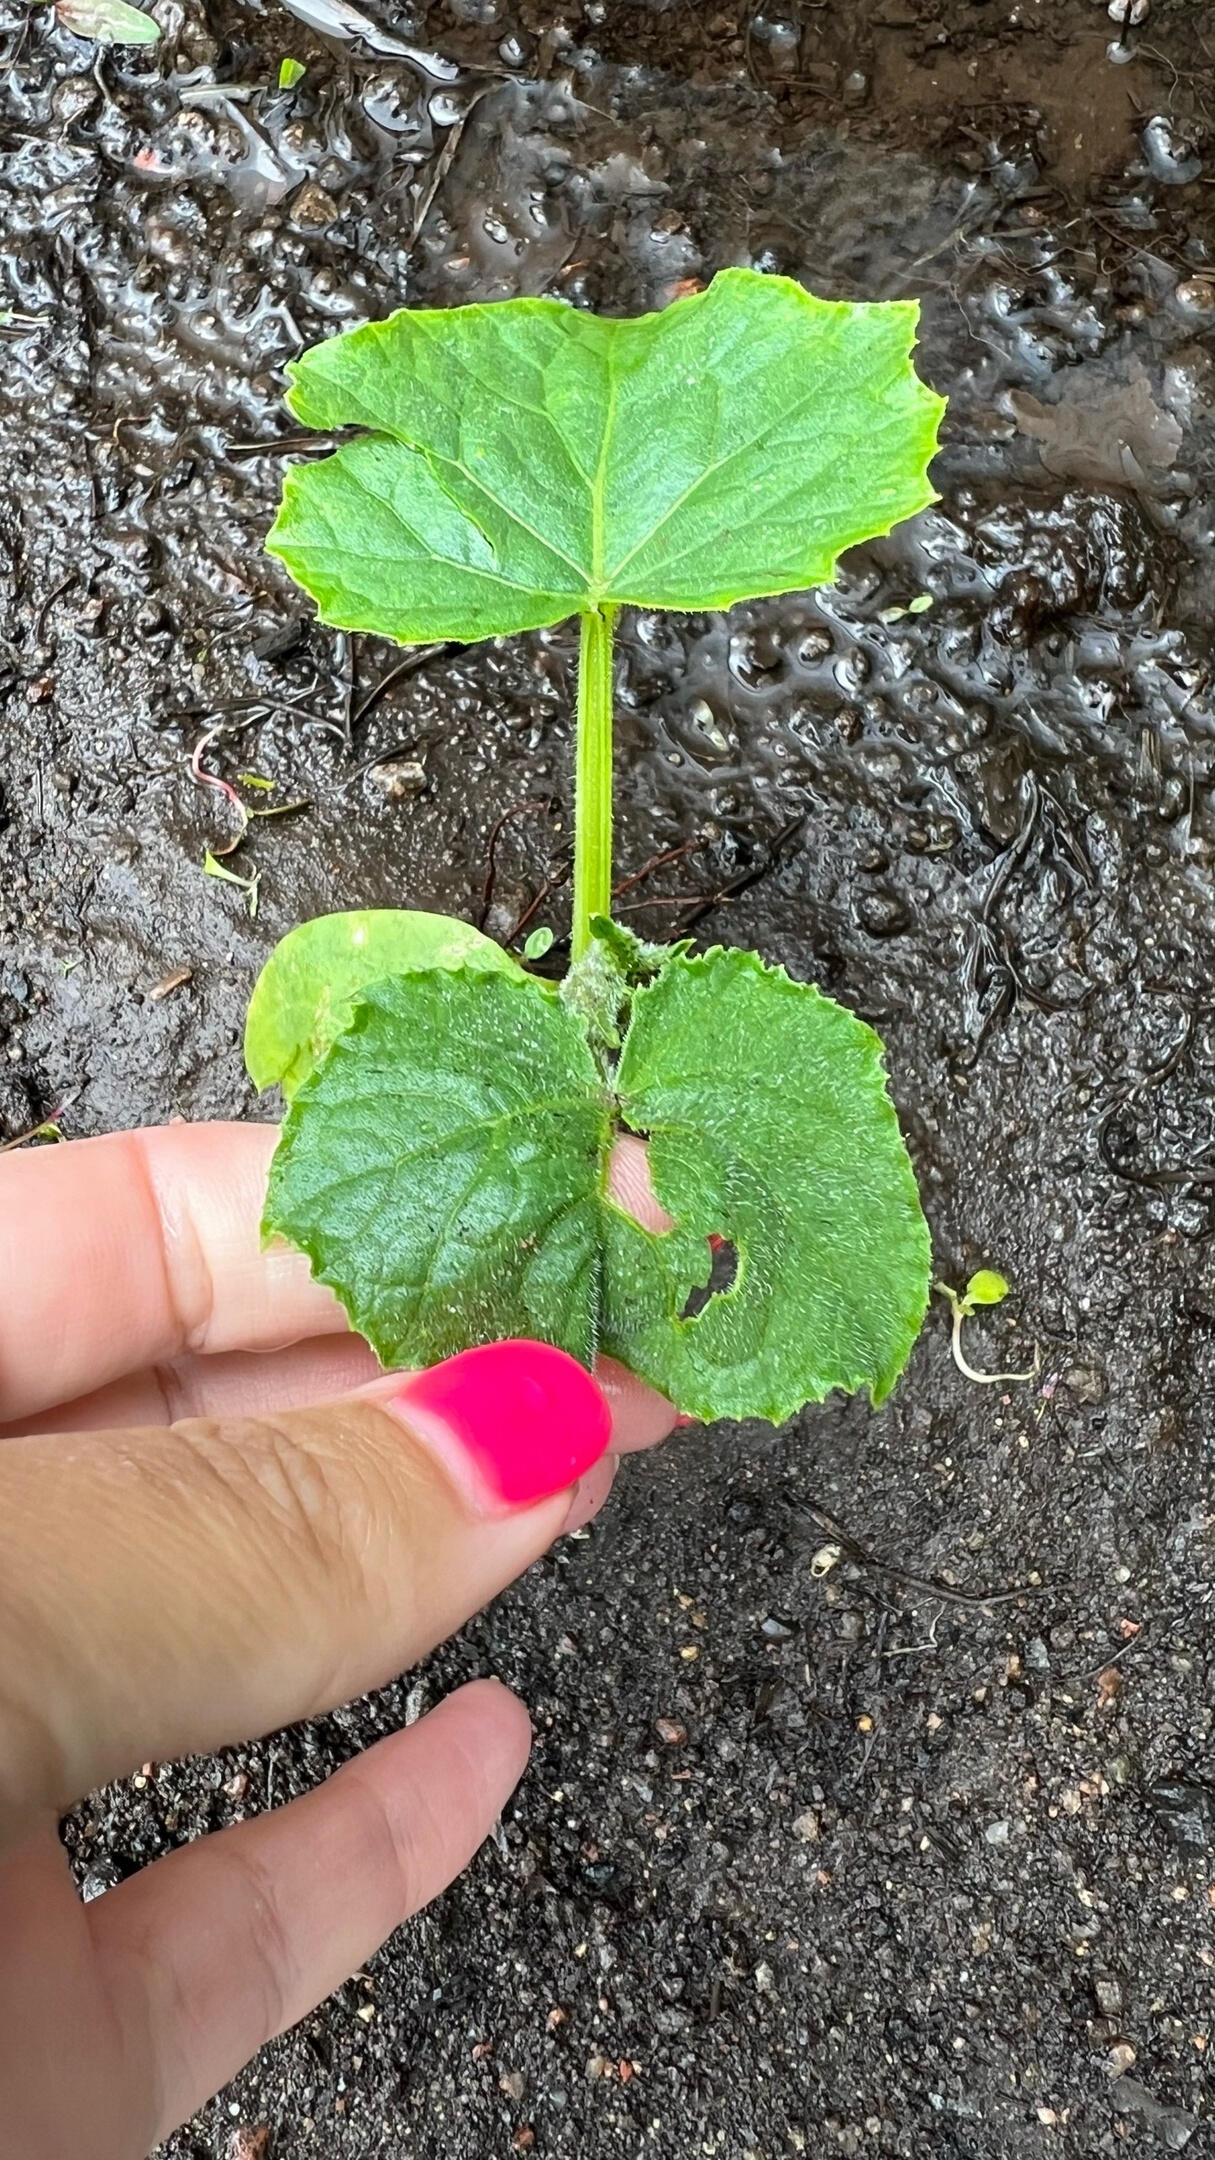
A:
(442, 1167)
(305, 994)
(108, 22)
(770, 1126)
(985, 1288)
(523, 461)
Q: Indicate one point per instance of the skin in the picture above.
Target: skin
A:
(210, 1527)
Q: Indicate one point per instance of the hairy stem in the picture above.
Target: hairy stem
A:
(593, 778)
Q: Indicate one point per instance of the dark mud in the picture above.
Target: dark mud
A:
(927, 1876)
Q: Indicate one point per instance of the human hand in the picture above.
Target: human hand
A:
(192, 1553)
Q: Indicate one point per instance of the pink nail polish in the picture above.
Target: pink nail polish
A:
(511, 1422)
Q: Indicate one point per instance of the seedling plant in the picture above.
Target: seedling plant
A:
(451, 1117)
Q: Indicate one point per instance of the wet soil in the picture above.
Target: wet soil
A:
(918, 1860)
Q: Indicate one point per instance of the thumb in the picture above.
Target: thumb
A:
(167, 1590)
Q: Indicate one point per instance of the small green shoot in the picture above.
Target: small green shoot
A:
(248, 885)
(290, 72)
(107, 22)
(538, 942)
(985, 1287)
(258, 781)
(445, 1157)
(48, 1130)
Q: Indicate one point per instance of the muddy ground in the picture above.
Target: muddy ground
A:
(930, 1872)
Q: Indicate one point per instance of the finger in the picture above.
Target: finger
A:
(237, 1383)
(213, 1951)
(168, 1590)
(130, 1250)
(140, 1251)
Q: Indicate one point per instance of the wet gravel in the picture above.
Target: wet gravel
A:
(822, 1848)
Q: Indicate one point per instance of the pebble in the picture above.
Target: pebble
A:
(998, 1833)
(1086, 1383)
(313, 209)
(1107, 1993)
(882, 914)
(807, 1827)
(398, 778)
(671, 1730)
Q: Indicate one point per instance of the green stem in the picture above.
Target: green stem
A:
(593, 779)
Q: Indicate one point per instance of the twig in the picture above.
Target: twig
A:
(412, 661)
(519, 809)
(558, 878)
(970, 1600)
(49, 602)
(32, 1131)
(746, 878)
(658, 862)
(444, 162)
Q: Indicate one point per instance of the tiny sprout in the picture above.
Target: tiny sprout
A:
(985, 1287)
(822, 1562)
(538, 942)
(248, 885)
(290, 72)
(920, 605)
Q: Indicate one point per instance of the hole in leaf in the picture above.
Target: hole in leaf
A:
(722, 1271)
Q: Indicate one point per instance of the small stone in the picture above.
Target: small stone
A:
(807, 1827)
(398, 778)
(513, 2084)
(1109, 1685)
(524, 2138)
(1122, 2057)
(1132, 11)
(313, 209)
(1086, 1383)
(671, 1731)
(1197, 294)
(882, 914)
(998, 1833)
(765, 1980)
(1107, 1993)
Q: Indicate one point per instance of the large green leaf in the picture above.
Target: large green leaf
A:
(770, 1126)
(445, 1168)
(441, 1168)
(305, 994)
(524, 461)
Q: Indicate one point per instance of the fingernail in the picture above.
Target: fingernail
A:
(511, 1422)
(684, 1420)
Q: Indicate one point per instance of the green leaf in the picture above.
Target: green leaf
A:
(985, 1288)
(109, 22)
(538, 942)
(770, 1126)
(305, 994)
(290, 72)
(524, 461)
(445, 1168)
(442, 1166)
